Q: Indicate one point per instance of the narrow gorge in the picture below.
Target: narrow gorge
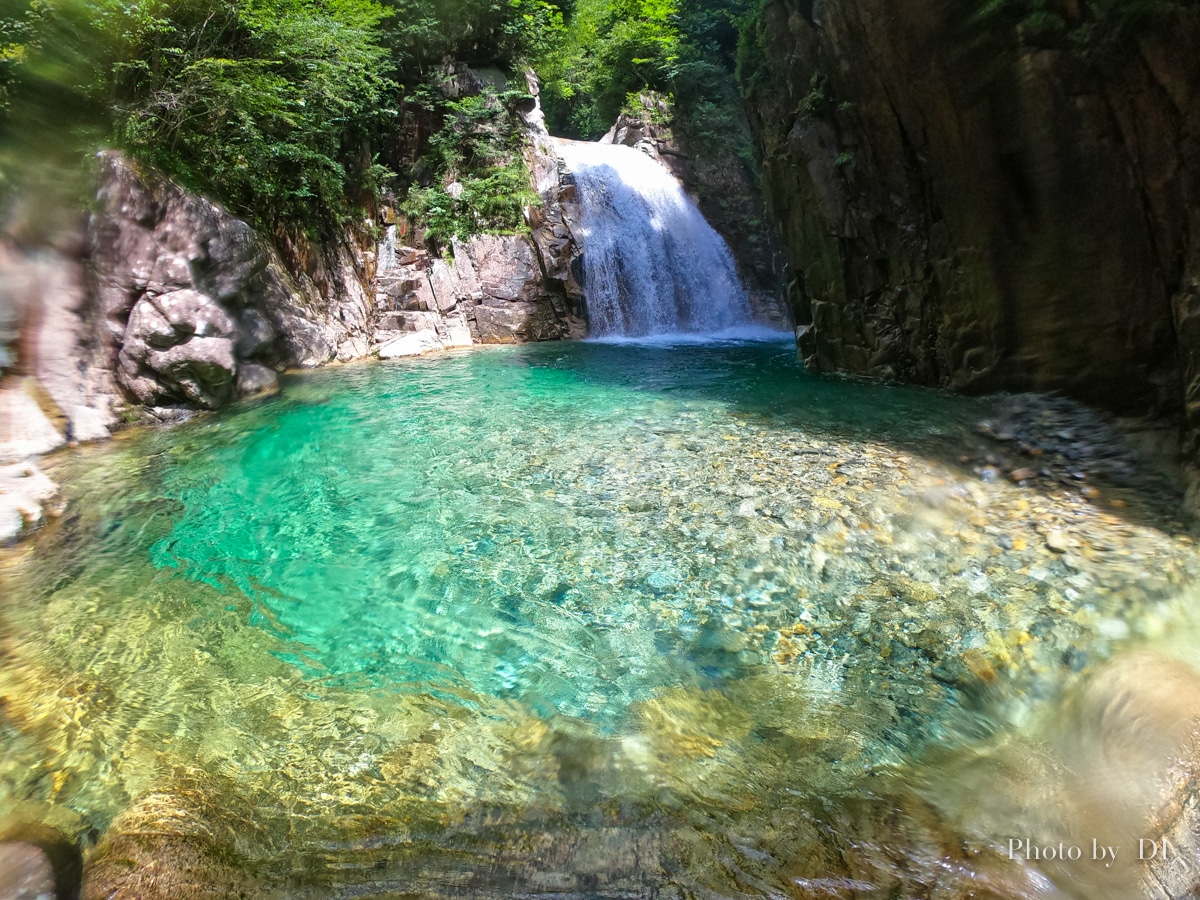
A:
(598, 449)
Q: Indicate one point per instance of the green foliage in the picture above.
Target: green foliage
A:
(422, 34)
(610, 52)
(1092, 25)
(607, 50)
(817, 102)
(53, 101)
(258, 103)
(476, 154)
(269, 106)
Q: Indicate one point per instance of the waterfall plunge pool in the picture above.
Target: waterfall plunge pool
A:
(583, 619)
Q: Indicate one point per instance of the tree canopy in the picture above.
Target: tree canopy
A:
(285, 109)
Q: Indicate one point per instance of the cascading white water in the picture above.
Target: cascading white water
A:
(652, 265)
(387, 250)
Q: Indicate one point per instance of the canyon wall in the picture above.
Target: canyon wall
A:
(987, 202)
(161, 302)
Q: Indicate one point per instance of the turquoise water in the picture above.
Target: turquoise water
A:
(689, 585)
(500, 523)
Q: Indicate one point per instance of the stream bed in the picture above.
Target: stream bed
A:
(594, 620)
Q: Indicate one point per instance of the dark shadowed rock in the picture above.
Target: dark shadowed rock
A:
(255, 379)
(980, 204)
(201, 369)
(254, 334)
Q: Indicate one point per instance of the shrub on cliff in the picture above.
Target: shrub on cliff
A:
(258, 103)
(476, 176)
(276, 108)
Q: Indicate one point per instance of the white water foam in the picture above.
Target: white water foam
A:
(387, 250)
(738, 334)
(652, 265)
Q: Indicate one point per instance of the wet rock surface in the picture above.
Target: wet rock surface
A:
(37, 862)
(493, 291)
(26, 430)
(25, 872)
(27, 499)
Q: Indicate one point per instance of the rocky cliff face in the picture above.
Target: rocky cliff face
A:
(161, 303)
(492, 288)
(198, 309)
(986, 205)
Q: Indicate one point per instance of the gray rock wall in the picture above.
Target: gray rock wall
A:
(197, 310)
(160, 304)
(494, 289)
(979, 206)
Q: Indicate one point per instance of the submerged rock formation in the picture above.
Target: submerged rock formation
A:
(987, 204)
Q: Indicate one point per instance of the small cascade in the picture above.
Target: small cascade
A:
(387, 250)
(652, 264)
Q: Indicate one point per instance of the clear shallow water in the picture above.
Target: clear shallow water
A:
(690, 590)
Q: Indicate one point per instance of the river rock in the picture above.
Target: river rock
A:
(442, 283)
(516, 322)
(180, 295)
(413, 344)
(255, 379)
(25, 429)
(506, 267)
(179, 346)
(27, 496)
(170, 845)
(255, 334)
(64, 344)
(191, 313)
(25, 872)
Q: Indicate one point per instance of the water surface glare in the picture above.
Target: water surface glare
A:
(690, 588)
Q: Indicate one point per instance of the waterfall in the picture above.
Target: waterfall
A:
(387, 250)
(651, 264)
